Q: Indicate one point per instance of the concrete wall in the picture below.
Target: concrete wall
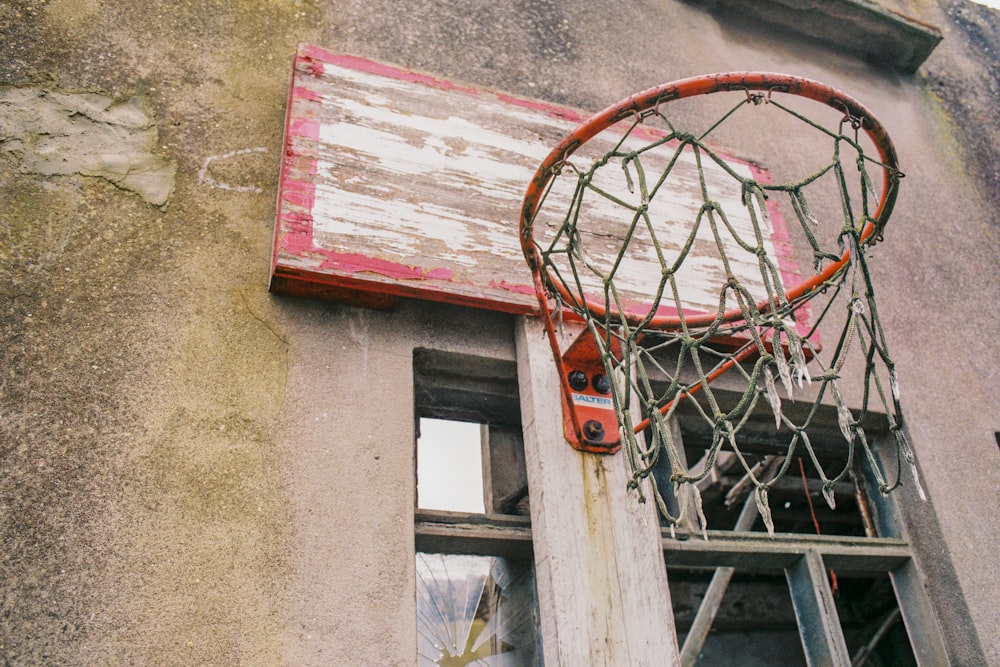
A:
(193, 471)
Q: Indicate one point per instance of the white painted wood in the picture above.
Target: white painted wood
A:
(399, 183)
(602, 581)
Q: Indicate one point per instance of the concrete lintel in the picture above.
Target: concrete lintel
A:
(863, 27)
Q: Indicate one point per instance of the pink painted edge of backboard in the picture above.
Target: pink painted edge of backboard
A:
(296, 198)
(372, 67)
(293, 228)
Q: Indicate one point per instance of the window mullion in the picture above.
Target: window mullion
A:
(816, 612)
(918, 617)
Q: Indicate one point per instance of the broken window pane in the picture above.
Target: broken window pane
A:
(476, 610)
(450, 466)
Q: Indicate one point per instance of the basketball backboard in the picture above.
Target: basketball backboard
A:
(400, 184)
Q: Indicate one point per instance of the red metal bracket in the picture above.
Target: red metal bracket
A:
(589, 417)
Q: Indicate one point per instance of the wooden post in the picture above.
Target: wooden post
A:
(602, 581)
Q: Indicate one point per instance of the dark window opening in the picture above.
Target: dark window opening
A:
(755, 619)
(796, 499)
(872, 623)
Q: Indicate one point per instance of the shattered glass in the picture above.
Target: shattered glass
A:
(476, 610)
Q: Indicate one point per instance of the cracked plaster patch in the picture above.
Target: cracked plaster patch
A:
(53, 133)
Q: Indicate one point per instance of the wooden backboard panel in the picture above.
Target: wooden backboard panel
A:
(397, 183)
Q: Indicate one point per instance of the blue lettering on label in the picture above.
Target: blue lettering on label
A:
(594, 401)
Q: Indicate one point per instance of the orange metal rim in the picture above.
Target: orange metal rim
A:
(702, 85)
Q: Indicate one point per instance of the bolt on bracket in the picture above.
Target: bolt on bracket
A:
(589, 417)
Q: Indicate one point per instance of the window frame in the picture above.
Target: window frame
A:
(805, 559)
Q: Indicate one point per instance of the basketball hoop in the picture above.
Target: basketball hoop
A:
(665, 320)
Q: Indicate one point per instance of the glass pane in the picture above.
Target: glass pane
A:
(450, 466)
(476, 610)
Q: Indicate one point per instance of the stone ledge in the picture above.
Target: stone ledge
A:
(862, 27)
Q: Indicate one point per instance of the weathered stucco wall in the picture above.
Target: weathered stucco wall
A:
(350, 473)
(193, 471)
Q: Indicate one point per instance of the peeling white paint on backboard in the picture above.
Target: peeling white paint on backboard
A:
(400, 183)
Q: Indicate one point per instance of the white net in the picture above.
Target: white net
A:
(668, 250)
